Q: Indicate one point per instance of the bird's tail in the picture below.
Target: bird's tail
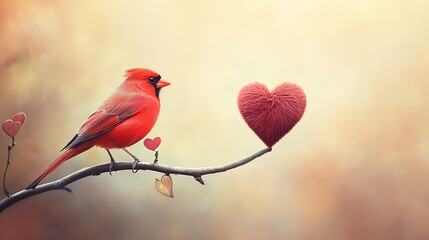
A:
(62, 158)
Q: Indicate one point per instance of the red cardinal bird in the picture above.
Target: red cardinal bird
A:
(123, 119)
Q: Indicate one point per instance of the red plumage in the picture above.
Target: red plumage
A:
(123, 119)
(271, 115)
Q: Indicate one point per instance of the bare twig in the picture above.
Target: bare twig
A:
(61, 184)
(9, 149)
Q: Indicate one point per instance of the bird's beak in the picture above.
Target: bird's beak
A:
(162, 83)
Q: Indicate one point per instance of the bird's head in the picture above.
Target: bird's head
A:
(146, 79)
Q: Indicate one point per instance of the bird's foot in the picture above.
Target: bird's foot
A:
(112, 162)
(134, 165)
(136, 160)
(111, 165)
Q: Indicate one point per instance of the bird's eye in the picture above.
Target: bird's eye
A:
(152, 80)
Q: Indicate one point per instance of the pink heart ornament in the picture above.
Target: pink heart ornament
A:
(11, 128)
(19, 117)
(271, 115)
(152, 144)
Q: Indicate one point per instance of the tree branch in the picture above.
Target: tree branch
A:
(61, 184)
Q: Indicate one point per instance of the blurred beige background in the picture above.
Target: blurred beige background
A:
(355, 167)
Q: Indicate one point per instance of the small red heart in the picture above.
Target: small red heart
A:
(271, 114)
(19, 117)
(152, 144)
(11, 128)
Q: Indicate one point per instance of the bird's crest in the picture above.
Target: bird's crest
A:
(139, 73)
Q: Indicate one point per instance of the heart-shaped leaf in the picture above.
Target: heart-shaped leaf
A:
(165, 186)
(271, 114)
(11, 128)
(19, 117)
(152, 144)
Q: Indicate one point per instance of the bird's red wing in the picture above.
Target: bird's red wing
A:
(112, 112)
